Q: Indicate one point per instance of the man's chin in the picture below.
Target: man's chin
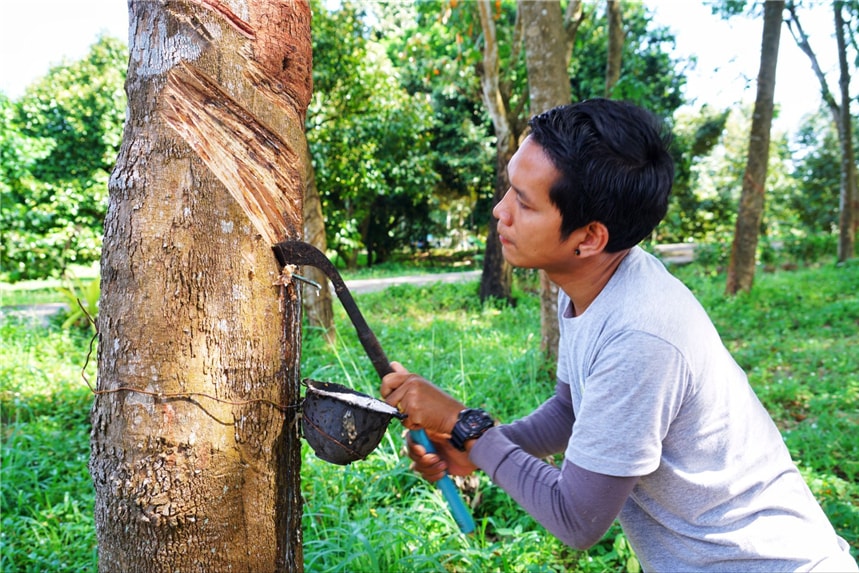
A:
(510, 258)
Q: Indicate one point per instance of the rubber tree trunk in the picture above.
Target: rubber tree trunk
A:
(615, 45)
(195, 451)
(497, 278)
(317, 303)
(741, 269)
(849, 196)
(548, 83)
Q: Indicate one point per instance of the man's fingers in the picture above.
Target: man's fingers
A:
(392, 381)
(432, 473)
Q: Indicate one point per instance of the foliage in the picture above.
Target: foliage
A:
(710, 153)
(441, 56)
(81, 297)
(794, 335)
(817, 171)
(369, 141)
(690, 215)
(57, 149)
(436, 47)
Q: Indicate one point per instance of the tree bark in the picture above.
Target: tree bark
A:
(615, 45)
(497, 278)
(549, 86)
(849, 196)
(741, 269)
(195, 450)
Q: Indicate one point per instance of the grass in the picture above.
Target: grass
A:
(795, 334)
(44, 291)
(46, 495)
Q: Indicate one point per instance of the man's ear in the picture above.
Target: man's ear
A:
(593, 240)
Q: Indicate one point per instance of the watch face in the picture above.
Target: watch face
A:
(475, 419)
(471, 424)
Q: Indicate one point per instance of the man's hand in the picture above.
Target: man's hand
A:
(428, 408)
(446, 459)
(425, 405)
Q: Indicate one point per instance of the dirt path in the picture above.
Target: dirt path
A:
(43, 312)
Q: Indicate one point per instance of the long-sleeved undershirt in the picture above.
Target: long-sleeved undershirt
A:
(575, 505)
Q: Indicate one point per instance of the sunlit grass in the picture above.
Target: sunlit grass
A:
(795, 334)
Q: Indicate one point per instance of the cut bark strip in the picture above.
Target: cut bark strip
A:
(255, 165)
(222, 9)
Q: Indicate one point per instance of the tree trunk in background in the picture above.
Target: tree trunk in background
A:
(615, 45)
(549, 86)
(317, 304)
(195, 450)
(849, 196)
(497, 278)
(741, 269)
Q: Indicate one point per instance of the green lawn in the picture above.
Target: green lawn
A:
(796, 334)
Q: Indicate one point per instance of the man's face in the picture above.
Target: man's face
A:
(529, 225)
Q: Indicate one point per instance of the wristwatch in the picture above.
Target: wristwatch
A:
(471, 423)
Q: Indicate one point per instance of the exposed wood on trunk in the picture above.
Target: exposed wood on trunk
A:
(253, 163)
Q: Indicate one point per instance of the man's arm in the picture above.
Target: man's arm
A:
(547, 429)
(576, 505)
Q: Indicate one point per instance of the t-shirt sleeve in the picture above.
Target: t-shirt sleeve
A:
(631, 394)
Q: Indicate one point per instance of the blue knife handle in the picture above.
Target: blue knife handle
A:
(448, 489)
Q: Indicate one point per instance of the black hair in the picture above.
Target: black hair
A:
(614, 164)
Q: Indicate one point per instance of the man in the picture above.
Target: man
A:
(659, 426)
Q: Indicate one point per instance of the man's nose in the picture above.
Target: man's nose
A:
(500, 210)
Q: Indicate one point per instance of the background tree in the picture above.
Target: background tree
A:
(815, 197)
(615, 45)
(547, 59)
(433, 62)
(444, 56)
(650, 76)
(505, 113)
(55, 185)
(316, 302)
(453, 39)
(195, 451)
(693, 213)
(845, 35)
(741, 269)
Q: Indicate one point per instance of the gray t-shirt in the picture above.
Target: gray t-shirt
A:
(656, 394)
